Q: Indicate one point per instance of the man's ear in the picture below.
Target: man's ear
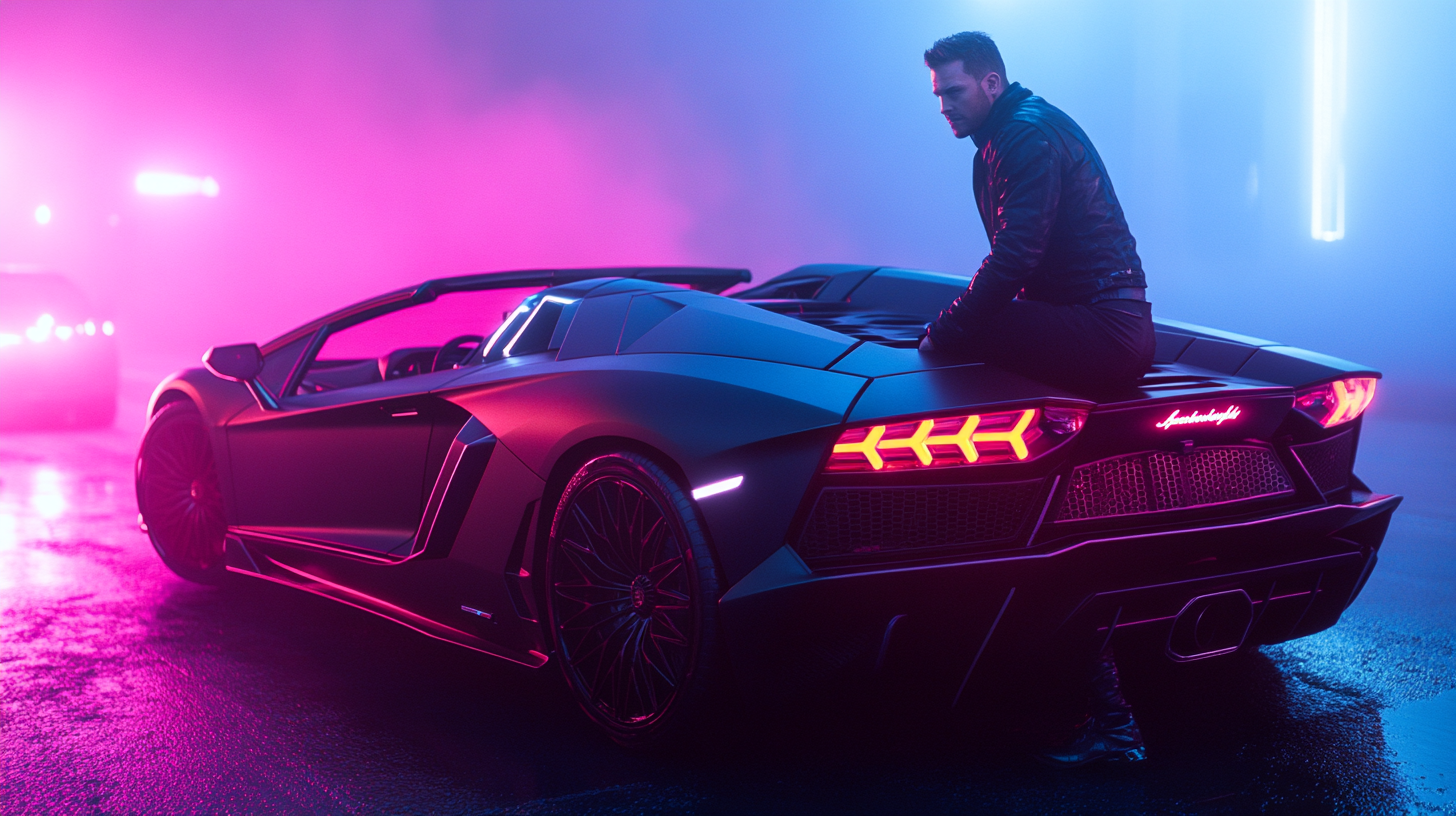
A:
(993, 82)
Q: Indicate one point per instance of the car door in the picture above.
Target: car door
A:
(345, 466)
(344, 458)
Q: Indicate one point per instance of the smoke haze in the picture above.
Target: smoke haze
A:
(363, 146)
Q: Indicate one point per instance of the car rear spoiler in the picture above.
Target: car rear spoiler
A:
(704, 278)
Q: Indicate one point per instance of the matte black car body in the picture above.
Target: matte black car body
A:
(424, 499)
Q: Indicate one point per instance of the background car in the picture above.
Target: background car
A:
(655, 487)
(58, 360)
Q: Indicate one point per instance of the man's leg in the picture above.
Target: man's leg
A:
(1078, 347)
(1109, 731)
(1068, 346)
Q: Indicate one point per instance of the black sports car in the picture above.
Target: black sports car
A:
(646, 482)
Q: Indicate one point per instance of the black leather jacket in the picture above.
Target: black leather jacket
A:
(1057, 232)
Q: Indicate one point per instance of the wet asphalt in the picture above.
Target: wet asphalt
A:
(124, 689)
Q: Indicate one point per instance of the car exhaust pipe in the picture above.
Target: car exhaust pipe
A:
(1211, 625)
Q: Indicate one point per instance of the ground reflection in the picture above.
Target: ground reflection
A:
(46, 496)
(128, 689)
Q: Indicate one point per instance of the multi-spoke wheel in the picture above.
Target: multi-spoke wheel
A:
(632, 596)
(178, 494)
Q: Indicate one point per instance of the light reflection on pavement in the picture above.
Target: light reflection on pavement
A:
(125, 689)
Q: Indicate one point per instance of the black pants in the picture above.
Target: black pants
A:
(1106, 345)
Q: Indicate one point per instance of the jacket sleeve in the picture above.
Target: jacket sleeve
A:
(1025, 175)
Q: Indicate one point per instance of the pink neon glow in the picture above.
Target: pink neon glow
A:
(359, 156)
(1210, 417)
(44, 328)
(40, 331)
(46, 496)
(153, 183)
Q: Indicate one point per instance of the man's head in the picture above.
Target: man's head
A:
(967, 73)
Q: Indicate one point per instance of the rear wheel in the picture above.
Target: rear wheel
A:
(632, 600)
(179, 496)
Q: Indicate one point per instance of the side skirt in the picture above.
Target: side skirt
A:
(245, 560)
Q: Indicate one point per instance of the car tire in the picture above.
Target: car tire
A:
(179, 496)
(632, 603)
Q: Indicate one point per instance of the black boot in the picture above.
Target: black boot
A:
(1109, 733)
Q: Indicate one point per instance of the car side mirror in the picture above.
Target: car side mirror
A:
(241, 363)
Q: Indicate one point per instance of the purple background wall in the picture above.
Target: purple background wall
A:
(363, 146)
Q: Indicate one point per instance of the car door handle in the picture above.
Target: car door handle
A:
(402, 414)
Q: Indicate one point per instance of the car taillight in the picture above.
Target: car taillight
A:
(955, 441)
(1338, 402)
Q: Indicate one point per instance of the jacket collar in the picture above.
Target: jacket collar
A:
(1005, 106)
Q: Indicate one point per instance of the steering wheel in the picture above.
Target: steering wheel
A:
(406, 362)
(453, 353)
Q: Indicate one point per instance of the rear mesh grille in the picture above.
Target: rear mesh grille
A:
(865, 521)
(1329, 461)
(1152, 481)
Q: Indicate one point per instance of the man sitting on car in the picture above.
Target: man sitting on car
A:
(1061, 295)
(1060, 298)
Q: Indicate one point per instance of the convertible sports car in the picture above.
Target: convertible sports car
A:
(657, 487)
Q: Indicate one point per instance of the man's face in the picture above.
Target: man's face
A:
(964, 102)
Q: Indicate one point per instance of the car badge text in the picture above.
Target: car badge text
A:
(1195, 418)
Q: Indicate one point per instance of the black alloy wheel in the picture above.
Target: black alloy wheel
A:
(632, 598)
(178, 494)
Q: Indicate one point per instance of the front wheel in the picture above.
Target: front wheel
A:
(178, 494)
(632, 602)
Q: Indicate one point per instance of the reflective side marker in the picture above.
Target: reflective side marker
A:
(717, 487)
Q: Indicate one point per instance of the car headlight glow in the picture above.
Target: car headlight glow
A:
(1335, 403)
(46, 327)
(955, 441)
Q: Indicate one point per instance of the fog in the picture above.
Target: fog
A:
(364, 146)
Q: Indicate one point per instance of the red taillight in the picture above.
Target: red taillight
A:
(954, 441)
(1338, 402)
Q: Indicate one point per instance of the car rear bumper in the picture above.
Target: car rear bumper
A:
(790, 629)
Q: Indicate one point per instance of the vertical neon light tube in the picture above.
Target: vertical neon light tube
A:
(1327, 193)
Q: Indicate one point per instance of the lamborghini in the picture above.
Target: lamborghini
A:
(662, 491)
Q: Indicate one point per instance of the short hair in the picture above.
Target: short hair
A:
(975, 50)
